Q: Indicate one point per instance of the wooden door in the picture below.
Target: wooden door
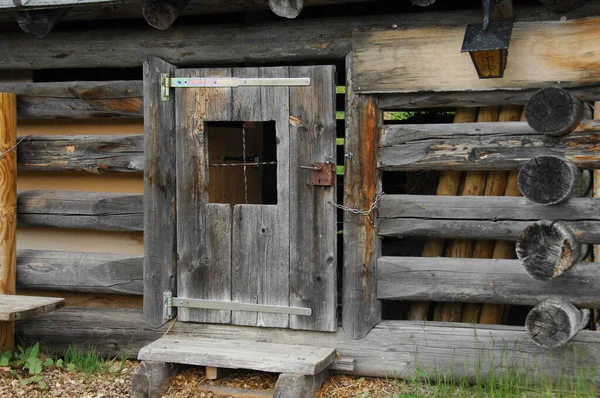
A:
(260, 233)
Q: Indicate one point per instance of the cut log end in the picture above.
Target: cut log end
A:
(286, 8)
(422, 3)
(562, 5)
(548, 180)
(548, 249)
(554, 322)
(161, 14)
(555, 112)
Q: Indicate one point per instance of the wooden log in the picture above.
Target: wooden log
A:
(554, 322)
(152, 378)
(79, 209)
(448, 184)
(556, 112)
(548, 248)
(316, 39)
(160, 207)
(360, 308)
(496, 281)
(422, 3)
(382, 352)
(548, 180)
(39, 23)
(562, 5)
(286, 8)
(299, 386)
(93, 154)
(8, 207)
(161, 14)
(212, 373)
(105, 273)
(596, 193)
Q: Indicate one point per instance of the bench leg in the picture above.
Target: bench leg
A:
(152, 378)
(299, 386)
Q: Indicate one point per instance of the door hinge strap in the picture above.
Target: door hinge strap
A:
(167, 82)
(169, 302)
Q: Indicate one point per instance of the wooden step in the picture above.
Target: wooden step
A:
(239, 354)
(14, 307)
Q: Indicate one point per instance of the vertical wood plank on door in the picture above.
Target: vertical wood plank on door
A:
(313, 239)
(160, 240)
(264, 104)
(198, 272)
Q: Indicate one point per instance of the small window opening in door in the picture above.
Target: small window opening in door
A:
(242, 159)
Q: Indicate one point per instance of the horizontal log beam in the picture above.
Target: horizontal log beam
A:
(392, 347)
(77, 100)
(78, 209)
(584, 231)
(481, 281)
(271, 42)
(94, 154)
(105, 273)
(482, 146)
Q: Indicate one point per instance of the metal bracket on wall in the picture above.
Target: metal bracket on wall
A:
(167, 82)
(169, 302)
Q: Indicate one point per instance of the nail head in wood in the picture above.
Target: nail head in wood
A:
(555, 112)
(554, 322)
(549, 180)
(548, 248)
(286, 8)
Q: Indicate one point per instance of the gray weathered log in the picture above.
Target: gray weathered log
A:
(94, 154)
(286, 8)
(299, 386)
(105, 273)
(548, 180)
(383, 352)
(151, 379)
(556, 112)
(481, 281)
(161, 14)
(554, 322)
(77, 100)
(79, 209)
(482, 146)
(562, 5)
(39, 23)
(315, 39)
(548, 248)
(160, 207)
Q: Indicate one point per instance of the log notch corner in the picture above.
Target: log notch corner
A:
(554, 322)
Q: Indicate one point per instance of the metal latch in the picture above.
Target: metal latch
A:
(323, 174)
(167, 82)
(169, 302)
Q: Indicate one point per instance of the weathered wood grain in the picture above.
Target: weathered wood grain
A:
(480, 281)
(39, 23)
(360, 308)
(482, 146)
(106, 273)
(555, 321)
(151, 379)
(236, 354)
(160, 211)
(392, 347)
(93, 154)
(295, 386)
(313, 228)
(13, 307)
(77, 99)
(161, 14)
(427, 54)
(79, 209)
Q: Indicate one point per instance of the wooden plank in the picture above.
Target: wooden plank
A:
(482, 146)
(90, 300)
(79, 209)
(234, 392)
(160, 212)
(77, 99)
(316, 39)
(428, 53)
(198, 267)
(481, 281)
(14, 307)
(360, 308)
(239, 354)
(93, 154)
(80, 272)
(392, 347)
(313, 239)
(498, 208)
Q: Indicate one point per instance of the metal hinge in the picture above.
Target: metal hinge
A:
(167, 82)
(169, 302)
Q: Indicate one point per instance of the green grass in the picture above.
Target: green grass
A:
(89, 361)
